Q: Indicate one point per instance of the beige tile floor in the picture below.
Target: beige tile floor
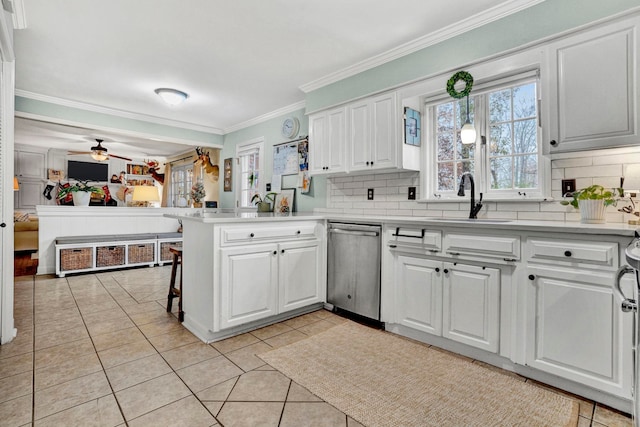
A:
(100, 350)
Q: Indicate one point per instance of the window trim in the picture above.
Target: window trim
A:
(244, 148)
(487, 85)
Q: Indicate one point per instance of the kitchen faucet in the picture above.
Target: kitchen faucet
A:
(475, 208)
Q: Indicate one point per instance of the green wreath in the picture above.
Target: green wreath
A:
(460, 75)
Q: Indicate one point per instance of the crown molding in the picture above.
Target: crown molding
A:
(483, 18)
(265, 117)
(117, 113)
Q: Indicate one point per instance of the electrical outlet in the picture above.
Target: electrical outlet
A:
(370, 194)
(568, 186)
(412, 193)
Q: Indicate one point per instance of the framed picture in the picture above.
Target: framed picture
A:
(227, 172)
(411, 126)
(285, 201)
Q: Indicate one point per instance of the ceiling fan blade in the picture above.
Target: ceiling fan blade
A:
(120, 157)
(78, 152)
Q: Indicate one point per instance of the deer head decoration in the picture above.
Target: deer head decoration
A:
(212, 172)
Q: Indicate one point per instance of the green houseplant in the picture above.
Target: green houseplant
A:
(592, 202)
(263, 204)
(80, 193)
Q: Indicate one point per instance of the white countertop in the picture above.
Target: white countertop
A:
(613, 228)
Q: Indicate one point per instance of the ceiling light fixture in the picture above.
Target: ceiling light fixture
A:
(98, 152)
(171, 96)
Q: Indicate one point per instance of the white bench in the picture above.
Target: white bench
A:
(77, 254)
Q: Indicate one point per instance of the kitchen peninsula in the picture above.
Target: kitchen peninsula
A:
(534, 297)
(246, 270)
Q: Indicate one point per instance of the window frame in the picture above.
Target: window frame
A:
(481, 158)
(187, 167)
(244, 149)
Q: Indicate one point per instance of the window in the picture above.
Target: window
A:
(249, 172)
(506, 158)
(181, 182)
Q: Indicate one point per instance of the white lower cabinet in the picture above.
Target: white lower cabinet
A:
(419, 293)
(299, 275)
(457, 301)
(575, 328)
(471, 305)
(249, 288)
(259, 281)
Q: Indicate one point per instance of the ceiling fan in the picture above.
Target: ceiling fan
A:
(99, 152)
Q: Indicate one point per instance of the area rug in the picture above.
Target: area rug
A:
(381, 379)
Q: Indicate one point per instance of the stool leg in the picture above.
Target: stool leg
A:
(172, 283)
(180, 312)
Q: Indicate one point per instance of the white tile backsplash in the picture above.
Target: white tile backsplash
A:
(605, 167)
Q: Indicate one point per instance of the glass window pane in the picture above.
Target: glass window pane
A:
(500, 106)
(446, 178)
(445, 146)
(526, 171)
(501, 173)
(444, 113)
(462, 167)
(524, 101)
(500, 140)
(464, 151)
(525, 137)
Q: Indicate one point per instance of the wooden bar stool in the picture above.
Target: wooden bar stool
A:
(173, 291)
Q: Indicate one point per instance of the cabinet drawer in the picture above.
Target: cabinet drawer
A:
(505, 247)
(568, 251)
(245, 234)
(414, 238)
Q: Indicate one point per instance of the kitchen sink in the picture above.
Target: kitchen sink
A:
(479, 220)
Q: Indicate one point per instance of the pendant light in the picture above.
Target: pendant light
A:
(468, 131)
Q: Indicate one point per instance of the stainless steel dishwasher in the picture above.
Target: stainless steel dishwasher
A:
(353, 279)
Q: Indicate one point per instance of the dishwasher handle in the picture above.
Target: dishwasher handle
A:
(354, 232)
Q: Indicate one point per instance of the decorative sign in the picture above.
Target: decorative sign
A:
(227, 174)
(285, 159)
(411, 126)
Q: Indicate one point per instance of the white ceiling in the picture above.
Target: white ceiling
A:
(238, 60)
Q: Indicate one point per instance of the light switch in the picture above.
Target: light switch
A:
(568, 186)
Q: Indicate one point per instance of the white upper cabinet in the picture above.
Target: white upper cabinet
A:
(361, 136)
(593, 88)
(374, 133)
(327, 141)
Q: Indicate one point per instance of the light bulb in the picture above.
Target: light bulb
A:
(468, 133)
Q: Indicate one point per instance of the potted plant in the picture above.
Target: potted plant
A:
(592, 202)
(263, 204)
(80, 193)
(197, 194)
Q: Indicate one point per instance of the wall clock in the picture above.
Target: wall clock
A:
(290, 127)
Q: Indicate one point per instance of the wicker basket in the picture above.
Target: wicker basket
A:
(165, 253)
(109, 255)
(141, 253)
(76, 259)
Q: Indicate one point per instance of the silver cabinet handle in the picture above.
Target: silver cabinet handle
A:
(628, 304)
(354, 233)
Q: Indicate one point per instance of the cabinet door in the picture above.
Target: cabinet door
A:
(360, 128)
(335, 147)
(317, 142)
(299, 275)
(31, 165)
(576, 329)
(384, 135)
(249, 279)
(594, 102)
(419, 293)
(471, 305)
(30, 194)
